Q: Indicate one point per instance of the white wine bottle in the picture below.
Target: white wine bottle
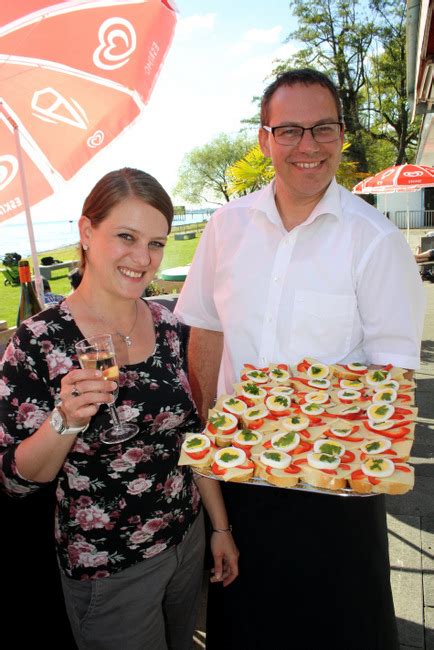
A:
(29, 303)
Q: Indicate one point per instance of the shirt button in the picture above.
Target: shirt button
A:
(276, 278)
(269, 319)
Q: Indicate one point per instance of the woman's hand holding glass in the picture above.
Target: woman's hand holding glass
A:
(82, 393)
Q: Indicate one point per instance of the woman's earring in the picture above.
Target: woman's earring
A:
(85, 247)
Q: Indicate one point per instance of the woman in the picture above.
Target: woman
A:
(128, 526)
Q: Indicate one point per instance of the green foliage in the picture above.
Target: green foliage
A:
(203, 175)
(250, 173)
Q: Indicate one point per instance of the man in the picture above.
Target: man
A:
(301, 268)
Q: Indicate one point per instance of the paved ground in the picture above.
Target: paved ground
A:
(410, 517)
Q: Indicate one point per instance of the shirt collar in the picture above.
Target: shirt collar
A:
(330, 203)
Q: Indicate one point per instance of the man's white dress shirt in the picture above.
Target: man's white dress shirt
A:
(342, 286)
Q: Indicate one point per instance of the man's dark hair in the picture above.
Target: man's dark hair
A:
(305, 76)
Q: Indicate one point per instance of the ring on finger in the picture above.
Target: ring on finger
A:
(75, 392)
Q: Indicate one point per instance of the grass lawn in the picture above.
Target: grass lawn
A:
(177, 253)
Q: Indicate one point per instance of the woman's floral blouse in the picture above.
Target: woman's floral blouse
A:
(116, 504)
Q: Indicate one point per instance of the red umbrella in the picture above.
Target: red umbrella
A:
(398, 178)
(73, 76)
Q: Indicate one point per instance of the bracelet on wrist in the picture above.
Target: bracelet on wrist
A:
(222, 530)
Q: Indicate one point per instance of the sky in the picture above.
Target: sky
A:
(220, 57)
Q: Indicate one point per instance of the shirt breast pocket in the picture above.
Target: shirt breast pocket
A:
(322, 325)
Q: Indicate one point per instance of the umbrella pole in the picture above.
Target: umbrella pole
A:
(38, 279)
(408, 220)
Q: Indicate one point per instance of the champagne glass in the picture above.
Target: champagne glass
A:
(98, 353)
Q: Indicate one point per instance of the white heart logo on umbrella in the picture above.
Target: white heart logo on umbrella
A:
(8, 170)
(110, 33)
(95, 140)
(414, 174)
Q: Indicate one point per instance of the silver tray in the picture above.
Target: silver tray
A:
(303, 487)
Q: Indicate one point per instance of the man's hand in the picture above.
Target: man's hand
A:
(225, 555)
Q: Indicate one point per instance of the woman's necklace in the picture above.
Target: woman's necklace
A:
(126, 338)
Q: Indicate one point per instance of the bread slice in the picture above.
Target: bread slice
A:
(400, 482)
(335, 479)
(279, 477)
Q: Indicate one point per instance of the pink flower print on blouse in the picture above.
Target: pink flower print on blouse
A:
(138, 486)
(167, 420)
(154, 525)
(77, 482)
(173, 341)
(5, 438)
(155, 550)
(173, 486)
(13, 355)
(30, 416)
(121, 465)
(81, 553)
(5, 391)
(128, 378)
(133, 455)
(37, 327)
(59, 363)
(92, 517)
(127, 413)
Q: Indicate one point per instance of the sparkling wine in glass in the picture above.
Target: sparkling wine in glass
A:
(98, 353)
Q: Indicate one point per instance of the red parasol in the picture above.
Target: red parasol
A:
(73, 76)
(398, 178)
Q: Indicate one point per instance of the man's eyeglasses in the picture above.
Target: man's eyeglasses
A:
(291, 135)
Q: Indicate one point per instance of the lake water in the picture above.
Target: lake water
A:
(55, 233)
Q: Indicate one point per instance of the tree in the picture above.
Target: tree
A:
(365, 55)
(388, 108)
(203, 175)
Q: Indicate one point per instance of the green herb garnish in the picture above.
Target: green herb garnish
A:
(227, 457)
(376, 465)
(330, 448)
(247, 435)
(253, 389)
(194, 442)
(382, 410)
(285, 440)
(373, 446)
(217, 421)
(273, 455)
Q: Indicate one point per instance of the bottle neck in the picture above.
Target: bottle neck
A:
(24, 272)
